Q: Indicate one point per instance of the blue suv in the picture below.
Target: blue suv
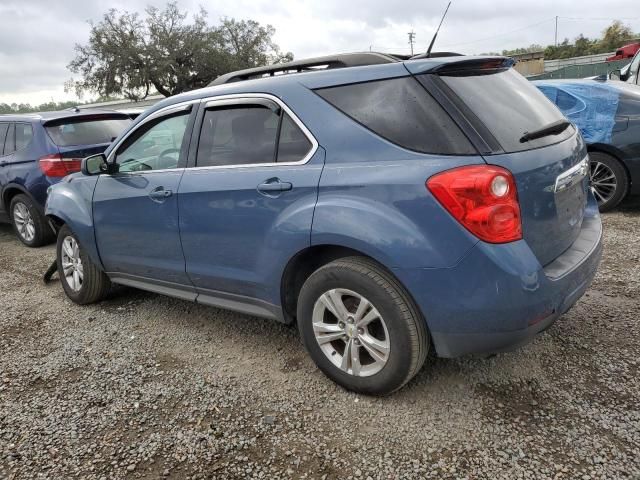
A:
(36, 151)
(388, 206)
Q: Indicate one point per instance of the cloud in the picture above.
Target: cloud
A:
(37, 38)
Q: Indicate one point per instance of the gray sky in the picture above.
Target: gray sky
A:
(37, 36)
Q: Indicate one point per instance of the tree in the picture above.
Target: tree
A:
(615, 35)
(130, 57)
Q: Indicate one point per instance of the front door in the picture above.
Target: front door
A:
(247, 205)
(135, 210)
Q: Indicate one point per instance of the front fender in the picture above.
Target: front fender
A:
(70, 201)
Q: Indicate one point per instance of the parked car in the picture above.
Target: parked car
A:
(389, 208)
(627, 51)
(628, 73)
(608, 116)
(36, 151)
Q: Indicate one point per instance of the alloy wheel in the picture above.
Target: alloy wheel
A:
(72, 264)
(603, 182)
(351, 332)
(23, 221)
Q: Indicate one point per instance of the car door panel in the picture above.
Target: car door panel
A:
(138, 234)
(236, 238)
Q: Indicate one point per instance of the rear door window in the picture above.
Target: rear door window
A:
(401, 111)
(24, 134)
(250, 134)
(509, 106)
(94, 131)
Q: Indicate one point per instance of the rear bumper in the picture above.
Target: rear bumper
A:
(499, 297)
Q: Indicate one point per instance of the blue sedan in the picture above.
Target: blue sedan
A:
(607, 113)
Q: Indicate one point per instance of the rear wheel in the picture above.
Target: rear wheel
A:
(609, 180)
(81, 279)
(360, 326)
(30, 226)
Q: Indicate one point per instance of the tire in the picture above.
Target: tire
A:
(30, 225)
(94, 285)
(609, 180)
(398, 326)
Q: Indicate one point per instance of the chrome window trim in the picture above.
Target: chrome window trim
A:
(168, 110)
(223, 100)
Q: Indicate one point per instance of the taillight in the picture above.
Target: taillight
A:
(483, 199)
(57, 166)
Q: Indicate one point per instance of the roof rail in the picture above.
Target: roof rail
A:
(310, 64)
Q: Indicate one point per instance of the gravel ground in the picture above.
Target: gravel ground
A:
(144, 386)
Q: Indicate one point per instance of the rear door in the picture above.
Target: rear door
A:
(135, 209)
(550, 171)
(247, 204)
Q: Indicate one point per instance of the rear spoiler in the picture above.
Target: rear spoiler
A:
(461, 66)
(84, 118)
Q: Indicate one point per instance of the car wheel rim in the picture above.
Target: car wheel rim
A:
(603, 182)
(24, 222)
(72, 264)
(351, 332)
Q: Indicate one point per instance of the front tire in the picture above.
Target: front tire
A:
(81, 279)
(30, 226)
(360, 326)
(609, 180)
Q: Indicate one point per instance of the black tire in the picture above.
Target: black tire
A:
(408, 337)
(607, 199)
(42, 232)
(95, 284)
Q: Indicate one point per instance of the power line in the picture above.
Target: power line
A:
(500, 34)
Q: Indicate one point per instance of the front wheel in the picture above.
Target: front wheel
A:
(609, 180)
(360, 326)
(81, 279)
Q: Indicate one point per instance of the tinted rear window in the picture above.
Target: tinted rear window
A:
(509, 105)
(401, 111)
(86, 132)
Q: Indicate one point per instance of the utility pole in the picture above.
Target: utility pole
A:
(412, 40)
(556, 30)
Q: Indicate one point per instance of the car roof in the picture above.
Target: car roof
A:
(45, 117)
(395, 66)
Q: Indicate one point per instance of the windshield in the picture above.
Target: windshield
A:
(87, 132)
(509, 106)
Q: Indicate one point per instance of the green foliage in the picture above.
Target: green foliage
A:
(131, 57)
(27, 108)
(613, 37)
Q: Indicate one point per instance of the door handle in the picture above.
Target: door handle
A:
(274, 185)
(160, 194)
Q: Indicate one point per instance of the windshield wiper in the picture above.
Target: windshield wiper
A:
(552, 129)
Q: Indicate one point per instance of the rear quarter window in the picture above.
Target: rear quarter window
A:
(401, 111)
(86, 132)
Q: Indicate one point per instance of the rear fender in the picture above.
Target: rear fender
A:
(71, 202)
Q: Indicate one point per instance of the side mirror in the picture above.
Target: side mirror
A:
(94, 165)
(615, 74)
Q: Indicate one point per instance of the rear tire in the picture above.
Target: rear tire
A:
(374, 351)
(30, 225)
(81, 279)
(609, 180)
